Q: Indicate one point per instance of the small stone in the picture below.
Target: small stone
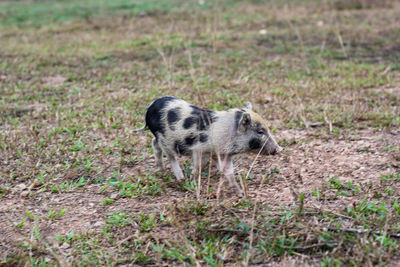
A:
(65, 246)
(263, 32)
(20, 187)
(98, 224)
(35, 183)
(114, 195)
(355, 138)
(24, 193)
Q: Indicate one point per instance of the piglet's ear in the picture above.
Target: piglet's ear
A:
(245, 121)
(249, 106)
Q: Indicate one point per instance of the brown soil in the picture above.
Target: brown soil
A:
(315, 156)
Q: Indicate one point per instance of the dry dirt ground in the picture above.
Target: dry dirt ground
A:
(78, 187)
(305, 165)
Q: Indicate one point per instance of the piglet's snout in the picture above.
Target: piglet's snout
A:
(278, 149)
(272, 150)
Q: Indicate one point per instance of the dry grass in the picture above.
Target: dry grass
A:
(78, 188)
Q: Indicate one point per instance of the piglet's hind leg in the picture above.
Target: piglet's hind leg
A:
(157, 154)
(175, 167)
(226, 167)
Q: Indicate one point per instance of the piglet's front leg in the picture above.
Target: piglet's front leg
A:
(226, 167)
(175, 167)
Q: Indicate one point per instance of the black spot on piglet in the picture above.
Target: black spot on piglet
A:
(189, 122)
(204, 117)
(155, 112)
(180, 148)
(190, 140)
(255, 143)
(203, 138)
(173, 116)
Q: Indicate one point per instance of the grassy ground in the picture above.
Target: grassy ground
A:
(77, 187)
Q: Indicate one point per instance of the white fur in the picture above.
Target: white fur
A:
(225, 139)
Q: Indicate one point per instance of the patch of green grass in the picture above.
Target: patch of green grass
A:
(56, 215)
(44, 12)
(47, 12)
(89, 250)
(390, 178)
(344, 189)
(70, 185)
(106, 201)
(135, 186)
(146, 222)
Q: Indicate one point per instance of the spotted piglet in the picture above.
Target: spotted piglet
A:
(184, 129)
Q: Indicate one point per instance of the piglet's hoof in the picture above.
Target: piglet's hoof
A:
(180, 180)
(176, 181)
(240, 194)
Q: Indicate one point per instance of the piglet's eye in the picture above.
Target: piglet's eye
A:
(260, 131)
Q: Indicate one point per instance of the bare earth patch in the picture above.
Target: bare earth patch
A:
(54, 81)
(304, 166)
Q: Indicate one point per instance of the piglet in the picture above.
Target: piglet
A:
(180, 128)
